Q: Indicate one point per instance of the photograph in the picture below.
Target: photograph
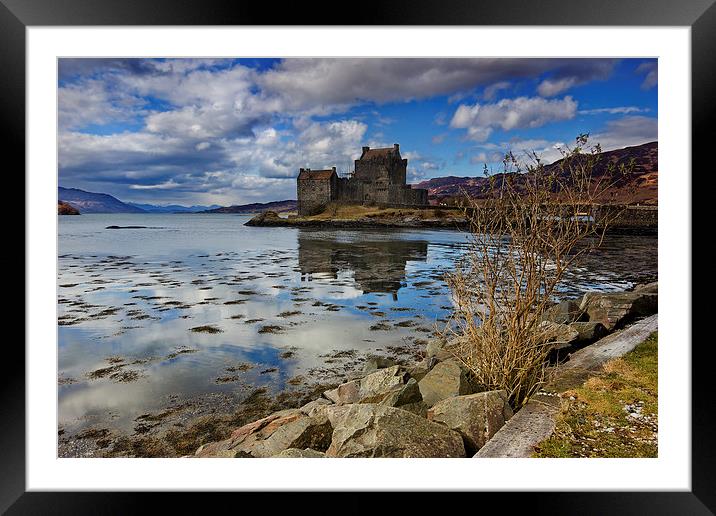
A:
(357, 257)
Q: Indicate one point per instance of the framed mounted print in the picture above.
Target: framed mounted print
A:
(405, 242)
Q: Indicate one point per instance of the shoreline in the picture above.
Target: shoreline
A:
(432, 408)
(393, 386)
(271, 219)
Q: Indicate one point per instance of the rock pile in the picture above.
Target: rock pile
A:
(387, 413)
(431, 409)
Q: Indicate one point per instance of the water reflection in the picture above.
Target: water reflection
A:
(292, 304)
(376, 265)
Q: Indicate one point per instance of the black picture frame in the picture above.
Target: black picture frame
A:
(700, 15)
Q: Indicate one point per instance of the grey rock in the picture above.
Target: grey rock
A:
(372, 430)
(373, 363)
(445, 380)
(613, 310)
(561, 335)
(273, 434)
(564, 312)
(434, 347)
(389, 386)
(311, 407)
(419, 370)
(476, 417)
(648, 288)
(589, 331)
(397, 396)
(348, 392)
(377, 384)
(297, 453)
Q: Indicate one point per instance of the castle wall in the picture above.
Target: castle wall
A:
(404, 194)
(388, 169)
(314, 194)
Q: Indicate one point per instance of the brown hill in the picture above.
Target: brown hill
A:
(66, 209)
(257, 207)
(640, 187)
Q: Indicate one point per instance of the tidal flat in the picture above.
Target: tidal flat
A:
(174, 333)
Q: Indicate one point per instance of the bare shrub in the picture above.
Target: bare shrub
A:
(528, 225)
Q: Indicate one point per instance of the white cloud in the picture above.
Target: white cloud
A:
(552, 87)
(576, 73)
(479, 158)
(212, 130)
(92, 102)
(621, 110)
(627, 131)
(161, 186)
(651, 74)
(508, 114)
(325, 85)
(493, 89)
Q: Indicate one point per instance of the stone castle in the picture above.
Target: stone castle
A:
(379, 178)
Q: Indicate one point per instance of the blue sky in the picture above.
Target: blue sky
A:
(235, 131)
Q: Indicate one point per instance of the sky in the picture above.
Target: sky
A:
(236, 131)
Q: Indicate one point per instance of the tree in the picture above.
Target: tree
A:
(528, 226)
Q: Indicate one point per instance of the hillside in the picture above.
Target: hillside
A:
(91, 202)
(65, 209)
(172, 208)
(640, 187)
(277, 206)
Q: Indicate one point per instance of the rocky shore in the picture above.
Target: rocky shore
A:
(429, 409)
(272, 219)
(64, 208)
(623, 225)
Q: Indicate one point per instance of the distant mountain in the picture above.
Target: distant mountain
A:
(65, 209)
(640, 187)
(277, 206)
(172, 208)
(90, 202)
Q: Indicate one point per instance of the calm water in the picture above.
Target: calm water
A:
(285, 307)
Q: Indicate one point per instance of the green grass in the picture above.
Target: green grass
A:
(596, 419)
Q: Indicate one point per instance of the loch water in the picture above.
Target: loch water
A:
(200, 307)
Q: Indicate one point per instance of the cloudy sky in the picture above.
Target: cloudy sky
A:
(234, 131)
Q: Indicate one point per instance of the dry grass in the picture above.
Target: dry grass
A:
(614, 414)
(352, 212)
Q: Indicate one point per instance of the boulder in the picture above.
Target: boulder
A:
(296, 453)
(397, 396)
(373, 363)
(377, 385)
(434, 347)
(419, 370)
(648, 288)
(442, 349)
(372, 430)
(476, 417)
(561, 335)
(564, 312)
(264, 218)
(345, 393)
(389, 386)
(271, 435)
(588, 331)
(445, 380)
(311, 407)
(613, 310)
